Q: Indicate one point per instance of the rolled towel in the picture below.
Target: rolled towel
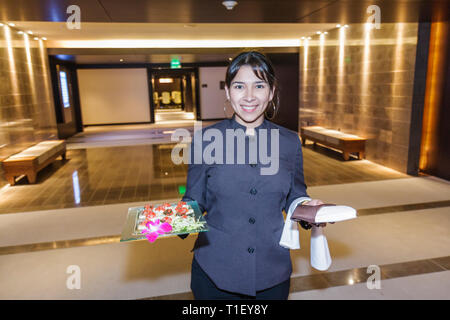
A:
(319, 254)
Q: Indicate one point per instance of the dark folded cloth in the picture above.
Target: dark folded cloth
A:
(305, 225)
(183, 236)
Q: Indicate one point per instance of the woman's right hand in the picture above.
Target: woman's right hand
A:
(313, 202)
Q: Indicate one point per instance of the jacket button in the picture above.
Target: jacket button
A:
(251, 250)
(251, 220)
(253, 191)
(253, 165)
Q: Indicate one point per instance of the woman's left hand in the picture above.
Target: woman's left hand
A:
(315, 202)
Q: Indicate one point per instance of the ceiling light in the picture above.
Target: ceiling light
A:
(229, 4)
(36, 38)
(325, 32)
(165, 80)
(303, 38)
(346, 26)
(173, 43)
(1, 24)
(44, 38)
(121, 60)
(30, 32)
(338, 26)
(309, 38)
(11, 24)
(19, 32)
(318, 32)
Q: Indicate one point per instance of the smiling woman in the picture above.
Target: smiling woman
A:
(251, 86)
(242, 255)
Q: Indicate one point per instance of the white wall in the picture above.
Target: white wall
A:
(113, 95)
(212, 98)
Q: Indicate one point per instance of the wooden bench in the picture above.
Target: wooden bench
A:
(30, 161)
(347, 143)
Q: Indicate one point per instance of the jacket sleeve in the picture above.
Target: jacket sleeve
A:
(196, 180)
(298, 186)
(196, 183)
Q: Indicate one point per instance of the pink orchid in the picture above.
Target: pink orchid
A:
(156, 228)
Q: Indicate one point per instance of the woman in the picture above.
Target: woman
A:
(240, 256)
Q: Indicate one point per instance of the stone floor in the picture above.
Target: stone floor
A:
(107, 175)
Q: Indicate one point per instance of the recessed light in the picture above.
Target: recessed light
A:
(30, 32)
(230, 4)
(121, 60)
(318, 32)
(11, 24)
(346, 26)
(1, 24)
(325, 32)
(338, 26)
(44, 38)
(309, 38)
(36, 38)
(19, 32)
(303, 38)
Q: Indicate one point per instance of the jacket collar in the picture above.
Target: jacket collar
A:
(236, 125)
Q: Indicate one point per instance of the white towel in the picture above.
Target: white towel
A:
(290, 238)
(319, 254)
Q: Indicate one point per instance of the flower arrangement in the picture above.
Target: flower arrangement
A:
(155, 228)
(167, 218)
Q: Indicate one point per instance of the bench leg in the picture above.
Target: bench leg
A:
(31, 175)
(11, 179)
(346, 155)
(63, 156)
(361, 155)
(303, 141)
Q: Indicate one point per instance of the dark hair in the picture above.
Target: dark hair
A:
(262, 68)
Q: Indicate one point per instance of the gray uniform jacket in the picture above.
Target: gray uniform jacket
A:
(241, 251)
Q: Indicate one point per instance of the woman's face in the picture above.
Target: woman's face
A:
(249, 97)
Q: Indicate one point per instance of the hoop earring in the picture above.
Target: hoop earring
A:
(273, 112)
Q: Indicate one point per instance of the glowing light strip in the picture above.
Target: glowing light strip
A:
(321, 68)
(76, 187)
(305, 67)
(126, 43)
(366, 64)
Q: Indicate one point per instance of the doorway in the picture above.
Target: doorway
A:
(174, 94)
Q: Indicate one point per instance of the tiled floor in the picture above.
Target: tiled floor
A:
(145, 172)
(350, 277)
